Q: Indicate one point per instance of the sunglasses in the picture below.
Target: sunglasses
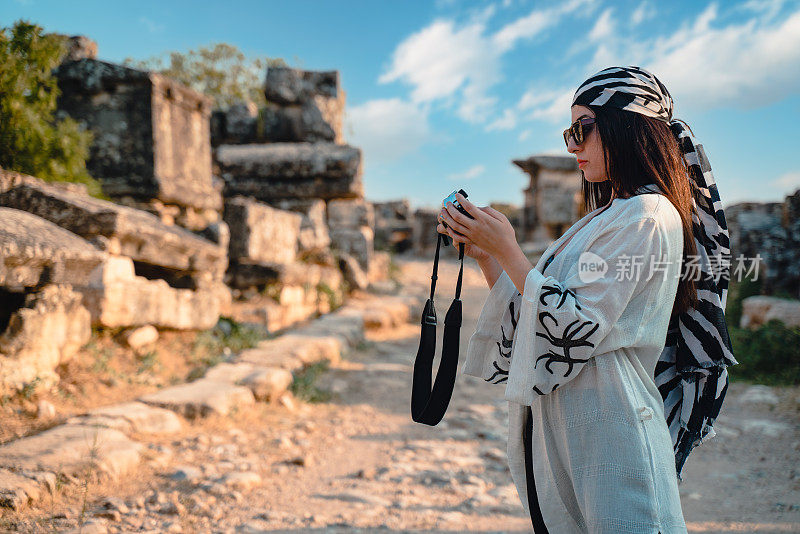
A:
(579, 130)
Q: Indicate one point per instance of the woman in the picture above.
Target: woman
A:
(581, 339)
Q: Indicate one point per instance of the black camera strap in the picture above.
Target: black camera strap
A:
(428, 405)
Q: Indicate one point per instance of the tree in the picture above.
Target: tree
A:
(32, 140)
(220, 70)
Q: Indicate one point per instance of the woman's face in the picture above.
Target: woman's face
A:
(591, 159)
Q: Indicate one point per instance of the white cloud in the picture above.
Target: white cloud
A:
(707, 65)
(524, 134)
(460, 63)
(644, 11)
(603, 28)
(388, 129)
(552, 105)
(788, 181)
(469, 174)
(505, 122)
(744, 65)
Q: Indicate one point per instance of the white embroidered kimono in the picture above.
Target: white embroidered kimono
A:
(581, 353)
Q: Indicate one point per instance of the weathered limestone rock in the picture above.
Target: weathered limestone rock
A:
(314, 236)
(260, 233)
(291, 170)
(307, 105)
(80, 47)
(48, 329)
(151, 134)
(117, 297)
(393, 225)
(553, 200)
(71, 450)
(235, 125)
(425, 234)
(17, 491)
(356, 242)
(768, 230)
(388, 313)
(34, 252)
(354, 275)
(347, 325)
(350, 213)
(182, 255)
(201, 398)
(267, 383)
(379, 267)
(138, 338)
(132, 417)
(758, 310)
(293, 351)
(243, 275)
(351, 222)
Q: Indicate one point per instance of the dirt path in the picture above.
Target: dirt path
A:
(358, 462)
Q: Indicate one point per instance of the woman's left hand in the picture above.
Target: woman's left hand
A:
(490, 230)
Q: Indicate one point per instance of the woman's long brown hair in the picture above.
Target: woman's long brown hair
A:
(640, 150)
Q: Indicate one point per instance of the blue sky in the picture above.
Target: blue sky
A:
(444, 94)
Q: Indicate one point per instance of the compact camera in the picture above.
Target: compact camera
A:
(452, 198)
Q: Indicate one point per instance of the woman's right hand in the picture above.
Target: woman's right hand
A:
(470, 249)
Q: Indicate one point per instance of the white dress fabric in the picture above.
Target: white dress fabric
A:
(582, 355)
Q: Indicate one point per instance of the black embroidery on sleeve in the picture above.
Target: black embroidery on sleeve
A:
(557, 290)
(503, 373)
(567, 342)
(506, 343)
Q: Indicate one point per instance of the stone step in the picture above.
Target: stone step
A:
(132, 417)
(71, 449)
(266, 383)
(293, 351)
(18, 490)
(201, 398)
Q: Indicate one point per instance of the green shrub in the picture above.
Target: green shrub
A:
(303, 386)
(32, 141)
(767, 355)
(223, 341)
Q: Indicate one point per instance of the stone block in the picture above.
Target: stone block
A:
(48, 329)
(141, 337)
(347, 325)
(123, 230)
(17, 491)
(117, 297)
(356, 242)
(293, 351)
(758, 310)
(314, 236)
(393, 225)
(35, 252)
(260, 233)
(132, 417)
(268, 383)
(276, 171)
(201, 398)
(353, 274)
(72, 450)
(151, 134)
(350, 213)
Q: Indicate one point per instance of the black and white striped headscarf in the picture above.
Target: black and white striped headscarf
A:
(691, 372)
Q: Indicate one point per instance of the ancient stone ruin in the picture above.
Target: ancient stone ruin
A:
(152, 139)
(245, 230)
(553, 200)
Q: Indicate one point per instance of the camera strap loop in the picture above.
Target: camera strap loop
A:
(428, 405)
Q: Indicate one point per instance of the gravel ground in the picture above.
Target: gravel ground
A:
(358, 462)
